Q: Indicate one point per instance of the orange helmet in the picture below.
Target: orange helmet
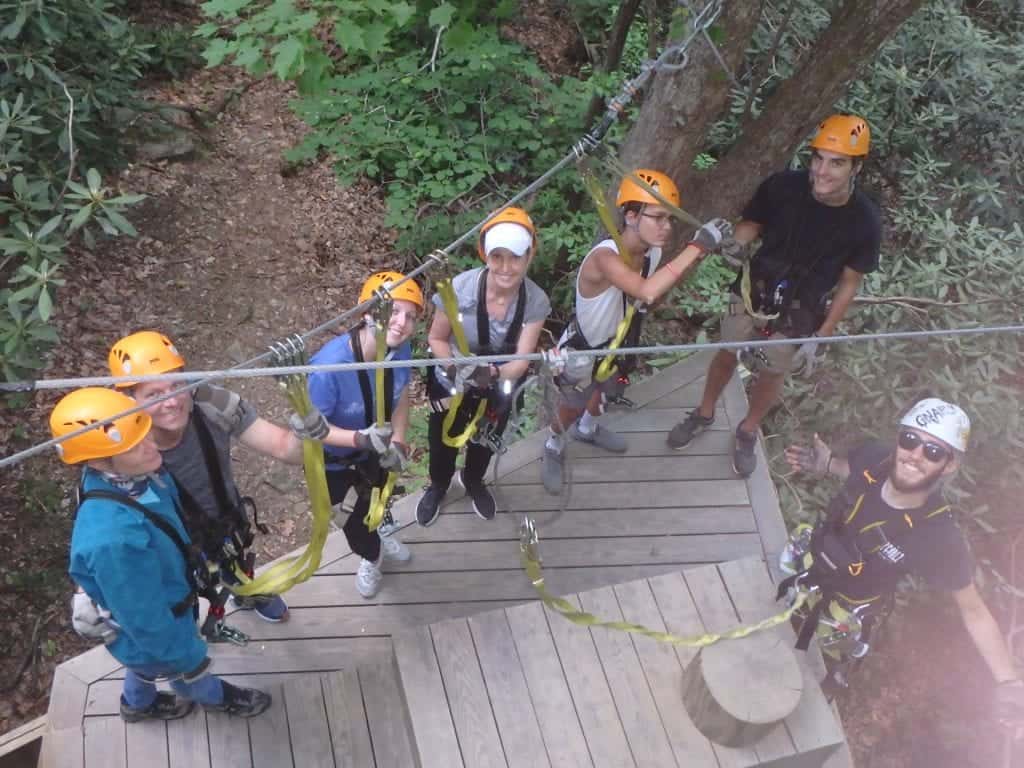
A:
(844, 134)
(142, 354)
(407, 291)
(87, 406)
(511, 215)
(631, 192)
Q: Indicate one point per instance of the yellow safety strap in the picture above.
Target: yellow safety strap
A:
(451, 309)
(607, 368)
(379, 496)
(290, 571)
(531, 561)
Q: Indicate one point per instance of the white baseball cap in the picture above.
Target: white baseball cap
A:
(509, 235)
(940, 419)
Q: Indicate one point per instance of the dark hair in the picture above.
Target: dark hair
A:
(632, 207)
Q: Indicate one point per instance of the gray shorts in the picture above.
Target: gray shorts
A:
(737, 325)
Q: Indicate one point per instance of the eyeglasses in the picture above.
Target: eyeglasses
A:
(934, 452)
(660, 219)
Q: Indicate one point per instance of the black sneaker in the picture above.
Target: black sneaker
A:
(682, 434)
(483, 502)
(743, 459)
(241, 702)
(166, 706)
(429, 506)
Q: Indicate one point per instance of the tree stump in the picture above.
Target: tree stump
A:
(736, 691)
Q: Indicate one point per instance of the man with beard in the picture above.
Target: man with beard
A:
(890, 521)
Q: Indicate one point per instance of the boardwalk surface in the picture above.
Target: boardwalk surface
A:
(650, 513)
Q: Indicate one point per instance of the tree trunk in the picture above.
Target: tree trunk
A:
(681, 106)
(857, 31)
(613, 54)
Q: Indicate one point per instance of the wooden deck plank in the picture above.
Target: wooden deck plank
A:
(454, 556)
(147, 744)
(320, 655)
(389, 728)
(716, 442)
(577, 523)
(307, 722)
(187, 742)
(105, 743)
(64, 748)
(654, 419)
(68, 696)
(367, 620)
(664, 671)
(340, 590)
(467, 694)
(669, 493)
(507, 690)
(638, 712)
(749, 588)
(346, 716)
(594, 702)
(556, 713)
(269, 737)
(711, 601)
(622, 469)
(426, 702)
(229, 740)
(687, 396)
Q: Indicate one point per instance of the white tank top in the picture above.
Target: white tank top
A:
(598, 317)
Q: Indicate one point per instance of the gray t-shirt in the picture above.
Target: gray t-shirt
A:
(227, 416)
(466, 285)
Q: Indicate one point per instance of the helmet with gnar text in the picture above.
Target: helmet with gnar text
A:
(940, 419)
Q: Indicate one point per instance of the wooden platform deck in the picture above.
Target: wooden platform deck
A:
(338, 699)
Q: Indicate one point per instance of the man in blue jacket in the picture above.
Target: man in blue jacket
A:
(131, 554)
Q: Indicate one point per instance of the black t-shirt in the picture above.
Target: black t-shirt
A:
(809, 242)
(933, 549)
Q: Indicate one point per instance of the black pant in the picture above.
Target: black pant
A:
(478, 456)
(361, 540)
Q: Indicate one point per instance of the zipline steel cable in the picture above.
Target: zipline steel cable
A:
(630, 89)
(248, 373)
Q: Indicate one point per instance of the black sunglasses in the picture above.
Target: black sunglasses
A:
(934, 452)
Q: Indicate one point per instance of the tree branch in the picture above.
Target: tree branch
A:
(613, 54)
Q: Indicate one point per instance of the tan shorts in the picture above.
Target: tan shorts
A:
(737, 325)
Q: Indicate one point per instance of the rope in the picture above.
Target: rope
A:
(249, 373)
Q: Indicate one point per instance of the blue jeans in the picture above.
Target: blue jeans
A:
(139, 692)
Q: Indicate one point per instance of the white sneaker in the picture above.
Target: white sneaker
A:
(368, 579)
(393, 549)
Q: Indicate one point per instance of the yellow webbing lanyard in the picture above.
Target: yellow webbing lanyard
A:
(451, 309)
(379, 496)
(531, 561)
(607, 368)
(290, 571)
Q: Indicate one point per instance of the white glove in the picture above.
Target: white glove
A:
(311, 427)
(555, 359)
(395, 458)
(711, 235)
(91, 621)
(806, 358)
(374, 438)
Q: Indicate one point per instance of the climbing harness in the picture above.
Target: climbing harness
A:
(200, 575)
(451, 308)
(529, 549)
(290, 571)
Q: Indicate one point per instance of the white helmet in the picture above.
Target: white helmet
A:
(940, 419)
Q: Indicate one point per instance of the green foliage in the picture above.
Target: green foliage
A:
(56, 57)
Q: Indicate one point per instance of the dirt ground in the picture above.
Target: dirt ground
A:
(233, 255)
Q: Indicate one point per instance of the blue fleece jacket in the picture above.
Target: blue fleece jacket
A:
(133, 569)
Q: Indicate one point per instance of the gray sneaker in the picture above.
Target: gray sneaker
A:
(602, 437)
(682, 434)
(743, 459)
(551, 468)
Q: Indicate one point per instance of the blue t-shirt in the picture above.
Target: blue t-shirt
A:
(338, 396)
(134, 570)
